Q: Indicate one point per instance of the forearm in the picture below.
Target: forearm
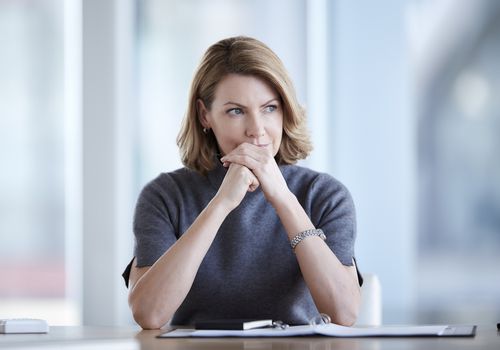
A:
(333, 286)
(161, 290)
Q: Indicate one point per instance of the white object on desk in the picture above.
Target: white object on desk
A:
(23, 325)
(370, 312)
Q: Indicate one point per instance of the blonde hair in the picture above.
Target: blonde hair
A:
(246, 56)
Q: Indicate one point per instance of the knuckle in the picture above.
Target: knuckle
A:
(242, 171)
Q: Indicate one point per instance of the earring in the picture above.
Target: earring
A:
(205, 130)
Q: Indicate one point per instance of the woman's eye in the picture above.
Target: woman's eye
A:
(235, 111)
(270, 108)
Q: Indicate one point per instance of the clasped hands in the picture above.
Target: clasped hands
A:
(250, 166)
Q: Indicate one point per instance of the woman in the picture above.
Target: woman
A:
(241, 232)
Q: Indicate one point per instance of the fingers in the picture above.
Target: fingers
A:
(245, 175)
(253, 181)
(248, 155)
(261, 163)
(238, 181)
(254, 184)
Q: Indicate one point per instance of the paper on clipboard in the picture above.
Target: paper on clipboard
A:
(330, 330)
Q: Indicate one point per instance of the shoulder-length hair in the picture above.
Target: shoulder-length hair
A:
(246, 56)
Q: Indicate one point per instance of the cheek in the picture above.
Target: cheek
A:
(227, 140)
(277, 131)
(278, 128)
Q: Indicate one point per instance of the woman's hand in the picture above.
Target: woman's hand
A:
(238, 181)
(263, 165)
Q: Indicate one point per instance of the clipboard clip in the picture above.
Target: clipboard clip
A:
(280, 325)
(319, 319)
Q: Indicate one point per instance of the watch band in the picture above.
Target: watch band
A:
(304, 234)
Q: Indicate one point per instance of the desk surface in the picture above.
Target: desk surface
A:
(487, 337)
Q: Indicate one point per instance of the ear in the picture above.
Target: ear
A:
(202, 113)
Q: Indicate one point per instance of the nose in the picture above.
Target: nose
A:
(255, 127)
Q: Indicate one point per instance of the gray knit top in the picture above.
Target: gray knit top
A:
(250, 271)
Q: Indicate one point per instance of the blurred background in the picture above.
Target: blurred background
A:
(401, 104)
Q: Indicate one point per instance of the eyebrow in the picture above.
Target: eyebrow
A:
(240, 105)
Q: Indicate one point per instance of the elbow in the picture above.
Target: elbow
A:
(348, 314)
(347, 317)
(147, 320)
(146, 317)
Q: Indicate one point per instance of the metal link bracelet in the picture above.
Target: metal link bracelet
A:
(308, 233)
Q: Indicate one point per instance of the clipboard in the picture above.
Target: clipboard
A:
(331, 330)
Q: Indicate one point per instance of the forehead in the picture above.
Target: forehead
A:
(244, 89)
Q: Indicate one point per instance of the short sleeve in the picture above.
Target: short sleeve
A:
(332, 210)
(153, 226)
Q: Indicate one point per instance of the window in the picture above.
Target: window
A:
(33, 270)
(459, 175)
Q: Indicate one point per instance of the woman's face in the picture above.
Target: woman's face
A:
(245, 109)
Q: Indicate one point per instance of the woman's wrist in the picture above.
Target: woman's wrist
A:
(222, 205)
(292, 215)
(283, 199)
